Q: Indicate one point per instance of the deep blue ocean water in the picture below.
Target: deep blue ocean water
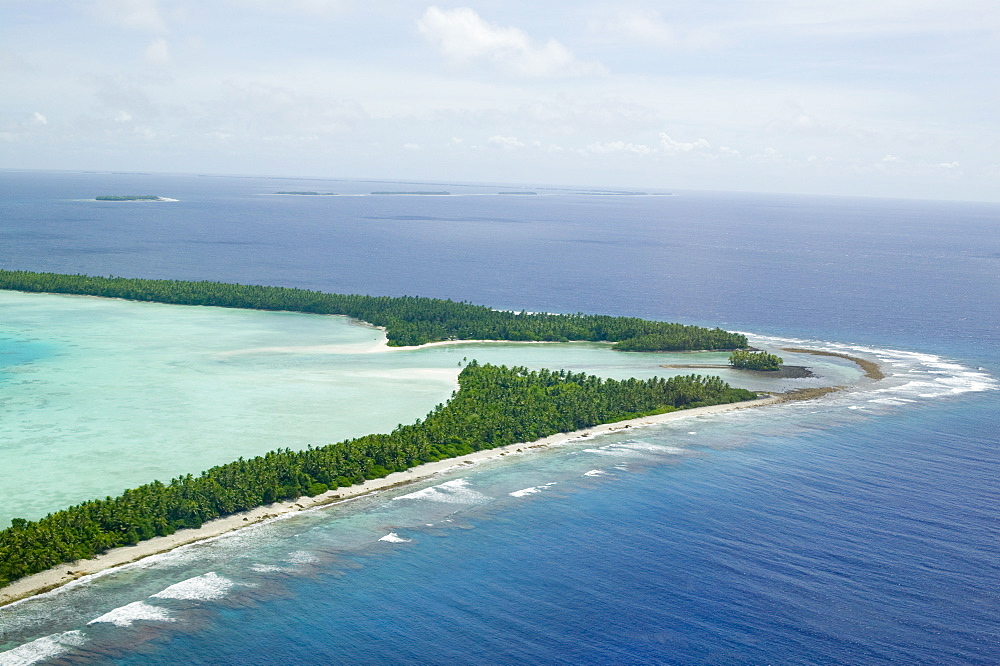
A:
(827, 533)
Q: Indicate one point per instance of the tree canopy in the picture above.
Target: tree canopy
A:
(494, 406)
(408, 320)
(755, 360)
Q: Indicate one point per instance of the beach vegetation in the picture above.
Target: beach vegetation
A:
(315, 194)
(407, 320)
(419, 192)
(755, 360)
(494, 406)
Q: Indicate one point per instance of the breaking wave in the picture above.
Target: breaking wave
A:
(531, 491)
(42, 649)
(205, 587)
(392, 537)
(449, 492)
(128, 614)
(910, 376)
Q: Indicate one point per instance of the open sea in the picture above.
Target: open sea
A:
(861, 528)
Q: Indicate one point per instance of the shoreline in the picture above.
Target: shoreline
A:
(784, 372)
(57, 577)
(871, 369)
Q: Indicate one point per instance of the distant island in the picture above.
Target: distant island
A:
(615, 194)
(422, 193)
(130, 197)
(309, 194)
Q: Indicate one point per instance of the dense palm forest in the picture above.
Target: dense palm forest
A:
(759, 360)
(493, 407)
(408, 320)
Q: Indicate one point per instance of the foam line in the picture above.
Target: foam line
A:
(392, 537)
(449, 492)
(42, 649)
(205, 587)
(126, 615)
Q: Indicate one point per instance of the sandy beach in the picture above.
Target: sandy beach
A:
(58, 576)
(66, 573)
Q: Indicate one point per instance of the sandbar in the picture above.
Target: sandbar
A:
(871, 368)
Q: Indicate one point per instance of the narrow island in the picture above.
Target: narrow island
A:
(407, 320)
(417, 193)
(614, 193)
(495, 408)
(130, 197)
(309, 194)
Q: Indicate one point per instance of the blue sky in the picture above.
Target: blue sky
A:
(893, 98)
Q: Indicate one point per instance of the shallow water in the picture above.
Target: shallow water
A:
(101, 394)
(860, 528)
(237, 577)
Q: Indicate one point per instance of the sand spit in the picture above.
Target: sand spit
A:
(871, 368)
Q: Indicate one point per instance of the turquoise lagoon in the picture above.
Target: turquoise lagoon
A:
(99, 395)
(857, 528)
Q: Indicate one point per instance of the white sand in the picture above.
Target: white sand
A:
(65, 573)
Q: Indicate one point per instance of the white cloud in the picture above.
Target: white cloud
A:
(39, 119)
(795, 121)
(312, 7)
(649, 27)
(504, 141)
(619, 147)
(894, 165)
(275, 113)
(135, 14)
(768, 156)
(462, 36)
(672, 146)
(158, 52)
(889, 16)
(411, 146)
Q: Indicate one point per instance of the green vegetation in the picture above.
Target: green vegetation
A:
(129, 197)
(493, 407)
(408, 320)
(615, 194)
(315, 194)
(693, 340)
(749, 360)
(417, 192)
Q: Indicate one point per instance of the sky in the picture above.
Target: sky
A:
(894, 98)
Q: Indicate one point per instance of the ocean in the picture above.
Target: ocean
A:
(859, 528)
